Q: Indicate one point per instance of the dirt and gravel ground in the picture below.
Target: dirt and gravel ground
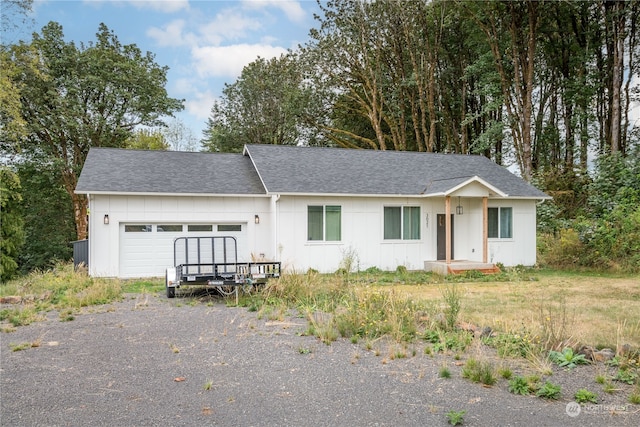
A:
(149, 361)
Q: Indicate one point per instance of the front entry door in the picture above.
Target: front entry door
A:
(442, 237)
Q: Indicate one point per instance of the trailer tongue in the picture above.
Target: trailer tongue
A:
(213, 262)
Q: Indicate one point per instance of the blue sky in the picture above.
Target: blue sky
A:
(204, 43)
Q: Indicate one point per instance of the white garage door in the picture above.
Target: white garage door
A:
(146, 250)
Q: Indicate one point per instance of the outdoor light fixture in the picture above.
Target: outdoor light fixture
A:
(106, 219)
(459, 207)
(257, 219)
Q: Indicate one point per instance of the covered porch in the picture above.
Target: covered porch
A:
(474, 188)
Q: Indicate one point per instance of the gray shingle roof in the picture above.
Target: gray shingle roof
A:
(137, 171)
(314, 170)
(292, 170)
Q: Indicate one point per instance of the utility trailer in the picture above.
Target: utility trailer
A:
(213, 262)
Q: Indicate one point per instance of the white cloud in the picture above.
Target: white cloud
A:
(171, 34)
(227, 25)
(165, 6)
(184, 85)
(291, 9)
(199, 105)
(228, 61)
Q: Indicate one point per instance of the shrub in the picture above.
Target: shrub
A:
(627, 375)
(374, 314)
(567, 358)
(519, 385)
(479, 372)
(456, 417)
(444, 372)
(584, 396)
(58, 288)
(448, 340)
(452, 297)
(511, 344)
(549, 391)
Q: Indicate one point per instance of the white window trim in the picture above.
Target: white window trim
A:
(402, 239)
(324, 240)
(513, 228)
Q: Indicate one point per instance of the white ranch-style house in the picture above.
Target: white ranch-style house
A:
(308, 208)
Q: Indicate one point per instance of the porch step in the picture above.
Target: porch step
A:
(459, 267)
(484, 270)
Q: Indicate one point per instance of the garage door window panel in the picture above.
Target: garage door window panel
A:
(169, 228)
(199, 227)
(138, 228)
(229, 227)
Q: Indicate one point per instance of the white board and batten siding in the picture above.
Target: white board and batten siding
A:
(141, 231)
(521, 248)
(363, 234)
(282, 232)
(362, 230)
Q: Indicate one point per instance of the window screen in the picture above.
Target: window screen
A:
(324, 223)
(402, 222)
(500, 223)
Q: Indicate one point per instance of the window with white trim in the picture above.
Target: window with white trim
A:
(402, 223)
(500, 223)
(324, 223)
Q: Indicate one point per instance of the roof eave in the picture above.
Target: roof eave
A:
(307, 194)
(142, 193)
(481, 182)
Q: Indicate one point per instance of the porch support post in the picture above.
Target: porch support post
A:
(485, 229)
(447, 226)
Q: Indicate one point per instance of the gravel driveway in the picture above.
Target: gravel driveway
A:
(149, 361)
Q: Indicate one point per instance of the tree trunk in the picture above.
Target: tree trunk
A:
(80, 215)
(69, 181)
(616, 76)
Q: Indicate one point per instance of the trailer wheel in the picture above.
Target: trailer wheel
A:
(171, 292)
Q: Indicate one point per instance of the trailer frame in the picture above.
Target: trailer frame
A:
(212, 261)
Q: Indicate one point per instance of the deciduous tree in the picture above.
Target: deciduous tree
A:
(84, 96)
(270, 103)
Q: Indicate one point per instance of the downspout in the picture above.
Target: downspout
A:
(90, 234)
(447, 222)
(275, 215)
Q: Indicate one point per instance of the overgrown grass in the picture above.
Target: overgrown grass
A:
(60, 288)
(479, 371)
(143, 286)
(556, 310)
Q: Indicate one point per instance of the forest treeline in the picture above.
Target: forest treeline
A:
(546, 88)
(546, 85)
